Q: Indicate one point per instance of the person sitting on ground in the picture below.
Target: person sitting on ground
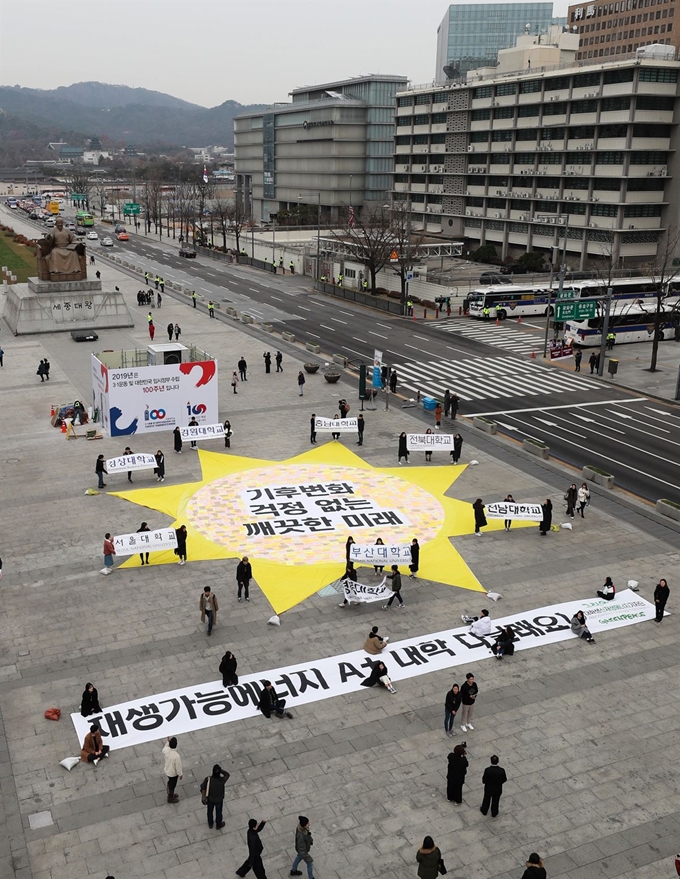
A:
(579, 627)
(504, 645)
(89, 704)
(379, 675)
(375, 644)
(608, 591)
(93, 749)
(480, 625)
(269, 702)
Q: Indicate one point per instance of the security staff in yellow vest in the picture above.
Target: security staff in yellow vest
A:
(486, 312)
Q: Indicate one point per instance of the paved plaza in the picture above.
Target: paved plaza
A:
(589, 735)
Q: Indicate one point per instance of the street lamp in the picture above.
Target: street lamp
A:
(318, 235)
(563, 268)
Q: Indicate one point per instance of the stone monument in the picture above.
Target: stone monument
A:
(62, 298)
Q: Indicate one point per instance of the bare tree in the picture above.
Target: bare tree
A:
(664, 272)
(79, 182)
(406, 243)
(372, 238)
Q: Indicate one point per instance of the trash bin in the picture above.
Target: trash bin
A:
(429, 403)
(612, 366)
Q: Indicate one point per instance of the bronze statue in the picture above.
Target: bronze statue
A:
(60, 256)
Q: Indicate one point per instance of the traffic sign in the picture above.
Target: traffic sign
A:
(77, 196)
(131, 207)
(578, 310)
(565, 293)
(394, 256)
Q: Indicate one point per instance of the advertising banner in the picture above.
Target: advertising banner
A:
(187, 709)
(202, 432)
(377, 366)
(362, 593)
(504, 510)
(145, 541)
(429, 442)
(336, 425)
(380, 555)
(149, 399)
(125, 463)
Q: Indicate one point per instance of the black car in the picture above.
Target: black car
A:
(487, 279)
(187, 252)
(514, 269)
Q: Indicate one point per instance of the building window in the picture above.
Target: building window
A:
(578, 158)
(552, 133)
(654, 74)
(646, 184)
(607, 184)
(486, 91)
(610, 104)
(556, 82)
(440, 98)
(475, 202)
(504, 113)
(581, 132)
(572, 208)
(421, 139)
(655, 102)
(506, 88)
(401, 178)
(649, 157)
(501, 136)
(403, 140)
(421, 120)
(614, 76)
(479, 137)
(584, 107)
(609, 157)
(480, 115)
(603, 210)
(438, 138)
(526, 134)
(642, 210)
(423, 99)
(403, 121)
(524, 158)
(613, 131)
(529, 86)
(439, 118)
(558, 108)
(405, 101)
(526, 111)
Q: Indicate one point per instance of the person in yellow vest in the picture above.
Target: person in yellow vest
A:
(193, 297)
(291, 267)
(340, 276)
(157, 281)
(365, 286)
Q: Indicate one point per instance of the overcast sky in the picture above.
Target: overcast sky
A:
(251, 51)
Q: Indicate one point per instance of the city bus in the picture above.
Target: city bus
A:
(630, 322)
(520, 300)
(83, 218)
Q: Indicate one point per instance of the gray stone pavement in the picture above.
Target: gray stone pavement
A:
(589, 736)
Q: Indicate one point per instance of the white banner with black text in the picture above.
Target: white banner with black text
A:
(124, 463)
(429, 442)
(145, 541)
(380, 554)
(507, 510)
(202, 432)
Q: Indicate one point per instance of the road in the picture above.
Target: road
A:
(581, 419)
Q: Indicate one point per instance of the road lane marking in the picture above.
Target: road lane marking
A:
(379, 335)
(332, 329)
(339, 321)
(548, 408)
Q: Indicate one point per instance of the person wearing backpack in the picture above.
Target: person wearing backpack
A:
(212, 794)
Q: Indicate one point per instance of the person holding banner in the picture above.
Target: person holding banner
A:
(379, 568)
(159, 469)
(181, 548)
(375, 644)
(143, 527)
(480, 518)
(193, 423)
(415, 558)
(350, 573)
(395, 577)
(403, 449)
(109, 553)
(128, 451)
(457, 448)
(546, 521)
(428, 453)
(312, 429)
(509, 499)
(228, 433)
(336, 436)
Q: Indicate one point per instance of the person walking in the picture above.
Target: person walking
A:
(159, 469)
(580, 628)
(244, 574)
(234, 381)
(578, 357)
(212, 788)
(207, 604)
(255, 848)
(177, 440)
(534, 868)
(161, 284)
(455, 774)
(173, 768)
(393, 381)
(468, 697)
(415, 558)
(279, 361)
(438, 416)
(457, 448)
(227, 669)
(100, 470)
(301, 382)
(592, 362)
(361, 424)
(583, 498)
(375, 643)
(152, 330)
(171, 329)
(243, 369)
(608, 590)
(181, 548)
(403, 449)
(571, 496)
(267, 357)
(451, 706)
(109, 552)
(480, 517)
(41, 371)
(429, 858)
(270, 702)
(493, 780)
(546, 521)
(159, 298)
(93, 749)
(2, 356)
(509, 499)
(395, 585)
(178, 332)
(143, 528)
(661, 595)
(89, 703)
(156, 281)
(46, 368)
(312, 429)
(303, 845)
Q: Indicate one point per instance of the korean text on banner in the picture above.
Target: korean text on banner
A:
(124, 463)
(380, 555)
(429, 442)
(145, 541)
(503, 510)
(362, 593)
(336, 425)
(202, 432)
(377, 368)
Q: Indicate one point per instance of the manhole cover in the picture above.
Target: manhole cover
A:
(12, 460)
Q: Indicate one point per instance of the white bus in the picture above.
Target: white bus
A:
(518, 300)
(630, 322)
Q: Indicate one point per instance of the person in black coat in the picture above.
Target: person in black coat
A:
(379, 675)
(159, 469)
(89, 704)
(267, 362)
(493, 780)
(661, 594)
(457, 448)
(228, 669)
(571, 496)
(455, 775)
(312, 430)
(403, 450)
(181, 548)
(480, 517)
(142, 528)
(255, 848)
(270, 702)
(348, 545)
(534, 868)
(504, 645)
(546, 521)
(415, 557)
(451, 706)
(244, 574)
(177, 440)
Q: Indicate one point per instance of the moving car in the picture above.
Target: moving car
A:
(514, 268)
(92, 236)
(123, 236)
(107, 242)
(187, 252)
(488, 278)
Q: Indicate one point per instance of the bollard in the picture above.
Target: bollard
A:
(460, 310)
(424, 313)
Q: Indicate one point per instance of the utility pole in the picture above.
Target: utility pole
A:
(563, 269)
(605, 329)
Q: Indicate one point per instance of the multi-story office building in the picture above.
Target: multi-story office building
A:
(332, 145)
(521, 160)
(471, 34)
(608, 29)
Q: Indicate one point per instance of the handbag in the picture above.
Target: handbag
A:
(204, 798)
(441, 866)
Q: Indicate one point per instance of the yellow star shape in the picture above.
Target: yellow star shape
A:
(232, 509)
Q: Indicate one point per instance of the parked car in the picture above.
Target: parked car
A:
(514, 268)
(92, 235)
(486, 279)
(107, 242)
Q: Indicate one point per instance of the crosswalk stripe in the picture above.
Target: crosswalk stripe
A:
(498, 336)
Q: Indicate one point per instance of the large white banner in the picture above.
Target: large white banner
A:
(506, 510)
(149, 399)
(202, 432)
(145, 541)
(364, 593)
(429, 442)
(124, 463)
(336, 425)
(203, 705)
(376, 554)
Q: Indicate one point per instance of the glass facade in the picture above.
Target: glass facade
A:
(471, 34)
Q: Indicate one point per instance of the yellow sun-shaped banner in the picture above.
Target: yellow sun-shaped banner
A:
(293, 517)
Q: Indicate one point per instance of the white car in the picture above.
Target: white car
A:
(92, 236)
(107, 242)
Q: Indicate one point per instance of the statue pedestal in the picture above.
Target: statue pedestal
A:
(62, 306)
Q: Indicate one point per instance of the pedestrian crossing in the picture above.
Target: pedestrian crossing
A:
(495, 378)
(502, 336)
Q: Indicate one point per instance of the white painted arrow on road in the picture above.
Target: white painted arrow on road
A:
(545, 421)
(620, 414)
(582, 418)
(507, 426)
(661, 412)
